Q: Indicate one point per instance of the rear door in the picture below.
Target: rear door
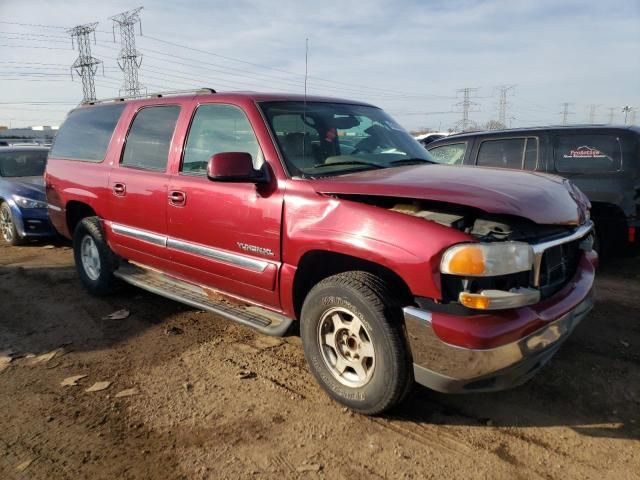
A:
(224, 235)
(138, 186)
(518, 153)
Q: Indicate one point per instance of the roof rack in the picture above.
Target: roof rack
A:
(198, 91)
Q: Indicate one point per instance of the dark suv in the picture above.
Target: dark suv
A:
(602, 160)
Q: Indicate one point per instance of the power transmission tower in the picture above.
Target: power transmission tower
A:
(129, 59)
(85, 65)
(626, 109)
(502, 104)
(565, 112)
(612, 111)
(466, 104)
(592, 113)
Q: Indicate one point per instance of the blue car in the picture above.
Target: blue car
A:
(23, 204)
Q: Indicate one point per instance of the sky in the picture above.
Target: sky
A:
(409, 57)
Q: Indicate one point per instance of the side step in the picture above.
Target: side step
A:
(261, 319)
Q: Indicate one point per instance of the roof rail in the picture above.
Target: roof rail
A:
(198, 91)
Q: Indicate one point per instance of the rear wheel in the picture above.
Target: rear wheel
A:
(8, 226)
(354, 343)
(94, 259)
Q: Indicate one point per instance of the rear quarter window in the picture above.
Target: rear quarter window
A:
(587, 153)
(86, 133)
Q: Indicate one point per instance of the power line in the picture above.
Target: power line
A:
(502, 105)
(129, 59)
(85, 65)
(466, 104)
(592, 113)
(565, 112)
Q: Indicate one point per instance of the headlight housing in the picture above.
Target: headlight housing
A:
(24, 202)
(487, 259)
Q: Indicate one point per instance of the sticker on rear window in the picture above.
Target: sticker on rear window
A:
(586, 152)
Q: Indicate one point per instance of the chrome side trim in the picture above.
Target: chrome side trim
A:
(189, 247)
(55, 208)
(138, 234)
(222, 255)
(539, 248)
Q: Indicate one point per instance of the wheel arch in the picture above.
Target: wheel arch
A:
(316, 265)
(75, 212)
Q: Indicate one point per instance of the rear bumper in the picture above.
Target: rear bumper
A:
(449, 368)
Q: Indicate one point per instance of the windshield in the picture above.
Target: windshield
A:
(23, 163)
(320, 139)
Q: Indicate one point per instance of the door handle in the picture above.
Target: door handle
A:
(119, 189)
(177, 198)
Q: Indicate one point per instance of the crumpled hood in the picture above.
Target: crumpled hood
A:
(542, 198)
(29, 187)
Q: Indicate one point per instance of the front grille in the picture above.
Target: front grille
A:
(558, 265)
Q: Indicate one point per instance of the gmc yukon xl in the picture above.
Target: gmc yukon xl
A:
(268, 209)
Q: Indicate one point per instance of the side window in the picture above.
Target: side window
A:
(149, 138)
(531, 154)
(588, 153)
(218, 129)
(452, 154)
(505, 153)
(86, 133)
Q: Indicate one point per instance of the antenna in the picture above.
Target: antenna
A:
(306, 67)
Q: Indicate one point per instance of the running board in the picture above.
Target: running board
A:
(263, 320)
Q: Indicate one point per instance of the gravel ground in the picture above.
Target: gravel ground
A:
(193, 396)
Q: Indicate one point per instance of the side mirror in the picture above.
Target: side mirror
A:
(235, 167)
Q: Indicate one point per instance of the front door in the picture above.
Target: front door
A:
(138, 184)
(225, 235)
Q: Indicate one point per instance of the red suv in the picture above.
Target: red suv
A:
(271, 208)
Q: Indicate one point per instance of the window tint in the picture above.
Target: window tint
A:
(531, 154)
(23, 163)
(218, 129)
(449, 154)
(86, 133)
(587, 153)
(149, 138)
(506, 153)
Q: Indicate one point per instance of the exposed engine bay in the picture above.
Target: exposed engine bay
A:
(485, 227)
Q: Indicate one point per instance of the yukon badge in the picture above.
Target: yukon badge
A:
(254, 249)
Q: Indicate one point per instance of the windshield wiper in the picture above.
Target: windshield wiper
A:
(348, 162)
(410, 161)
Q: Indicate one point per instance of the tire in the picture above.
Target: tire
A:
(351, 320)
(95, 262)
(8, 227)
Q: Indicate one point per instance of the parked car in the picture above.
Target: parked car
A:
(23, 205)
(270, 208)
(602, 160)
(427, 138)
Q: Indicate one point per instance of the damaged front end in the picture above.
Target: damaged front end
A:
(510, 262)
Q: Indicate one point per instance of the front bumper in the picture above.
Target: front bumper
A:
(33, 223)
(528, 337)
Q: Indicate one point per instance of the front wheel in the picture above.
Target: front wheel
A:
(95, 262)
(8, 226)
(353, 339)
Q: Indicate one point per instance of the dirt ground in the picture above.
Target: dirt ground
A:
(216, 400)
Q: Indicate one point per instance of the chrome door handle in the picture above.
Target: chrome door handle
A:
(177, 199)
(119, 189)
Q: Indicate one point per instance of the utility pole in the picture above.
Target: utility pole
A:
(592, 113)
(502, 104)
(626, 109)
(466, 105)
(129, 59)
(565, 112)
(85, 65)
